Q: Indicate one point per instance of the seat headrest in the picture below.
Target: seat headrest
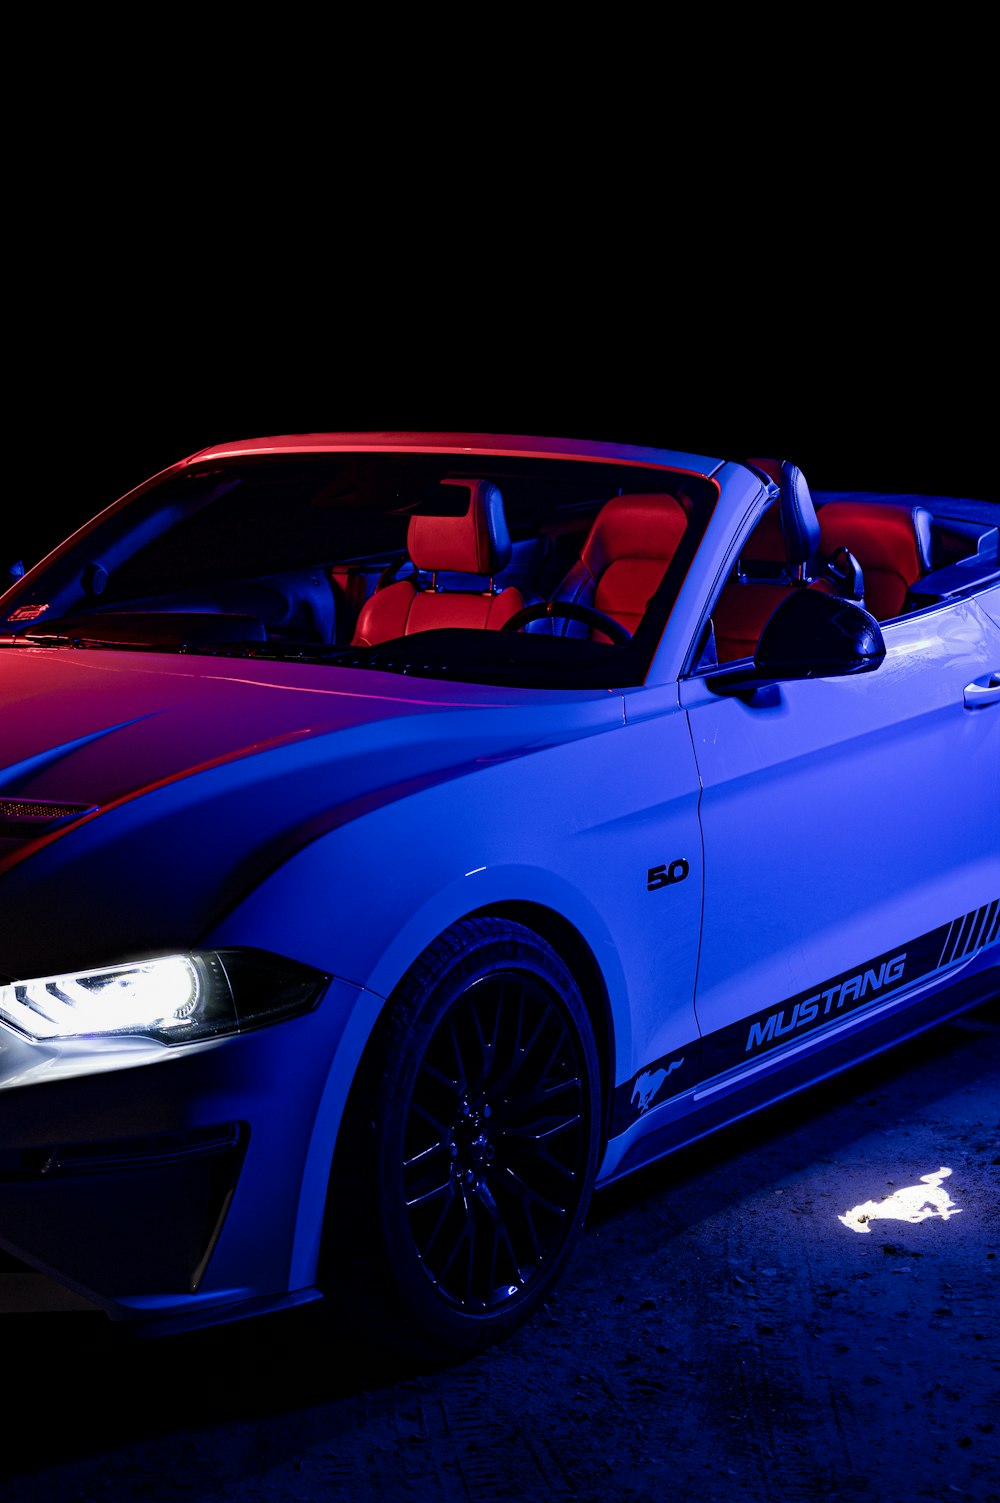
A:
(637, 526)
(795, 512)
(799, 522)
(476, 542)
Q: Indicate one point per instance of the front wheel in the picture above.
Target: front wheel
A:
(466, 1159)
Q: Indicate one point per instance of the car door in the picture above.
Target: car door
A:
(850, 836)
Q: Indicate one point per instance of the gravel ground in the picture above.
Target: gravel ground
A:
(719, 1334)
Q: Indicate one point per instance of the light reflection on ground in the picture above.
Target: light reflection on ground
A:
(914, 1203)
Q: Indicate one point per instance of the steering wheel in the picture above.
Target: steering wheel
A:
(619, 634)
(393, 572)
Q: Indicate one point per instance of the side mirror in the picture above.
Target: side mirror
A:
(809, 635)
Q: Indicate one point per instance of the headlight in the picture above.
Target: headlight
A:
(172, 998)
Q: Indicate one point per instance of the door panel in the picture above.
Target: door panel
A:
(847, 825)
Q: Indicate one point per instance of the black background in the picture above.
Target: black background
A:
(613, 235)
(860, 382)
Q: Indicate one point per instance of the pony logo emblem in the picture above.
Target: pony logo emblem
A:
(914, 1203)
(648, 1083)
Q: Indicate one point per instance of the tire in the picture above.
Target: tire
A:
(466, 1159)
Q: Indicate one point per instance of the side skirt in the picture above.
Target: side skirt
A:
(786, 1078)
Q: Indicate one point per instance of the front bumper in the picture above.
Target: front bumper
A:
(126, 1216)
(190, 1184)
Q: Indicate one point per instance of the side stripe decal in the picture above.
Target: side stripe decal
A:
(729, 1049)
(975, 931)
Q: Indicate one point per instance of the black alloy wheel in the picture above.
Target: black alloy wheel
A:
(467, 1158)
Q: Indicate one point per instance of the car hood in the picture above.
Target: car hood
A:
(92, 727)
(198, 775)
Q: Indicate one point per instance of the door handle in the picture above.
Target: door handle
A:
(983, 691)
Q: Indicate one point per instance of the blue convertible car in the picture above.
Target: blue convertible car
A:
(402, 835)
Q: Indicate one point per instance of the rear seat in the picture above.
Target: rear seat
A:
(891, 543)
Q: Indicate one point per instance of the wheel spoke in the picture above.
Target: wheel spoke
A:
(449, 1201)
(437, 1123)
(495, 1144)
(424, 1155)
(461, 1079)
(531, 1158)
(486, 1040)
(501, 1238)
(448, 1081)
(470, 1269)
(456, 1246)
(424, 1196)
(496, 1227)
(560, 1044)
(523, 1052)
(540, 1096)
(523, 1061)
(540, 1131)
(529, 1197)
(527, 1229)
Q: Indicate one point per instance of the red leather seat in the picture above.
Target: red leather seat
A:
(740, 615)
(891, 543)
(476, 543)
(749, 598)
(628, 548)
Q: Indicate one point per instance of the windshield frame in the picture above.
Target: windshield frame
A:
(62, 600)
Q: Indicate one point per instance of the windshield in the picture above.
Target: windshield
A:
(488, 568)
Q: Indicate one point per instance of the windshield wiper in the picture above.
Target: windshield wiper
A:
(292, 652)
(148, 631)
(286, 652)
(78, 639)
(36, 639)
